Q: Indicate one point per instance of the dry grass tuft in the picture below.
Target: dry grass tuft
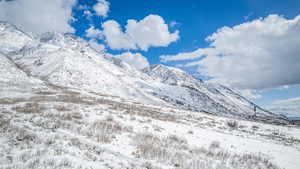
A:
(105, 130)
(174, 151)
(29, 108)
(233, 124)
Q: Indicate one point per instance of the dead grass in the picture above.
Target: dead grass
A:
(174, 151)
(4, 122)
(11, 100)
(146, 112)
(233, 124)
(61, 108)
(105, 130)
(45, 92)
(29, 108)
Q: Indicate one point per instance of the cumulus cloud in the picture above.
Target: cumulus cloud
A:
(39, 16)
(134, 59)
(260, 54)
(152, 31)
(188, 56)
(115, 38)
(92, 32)
(101, 8)
(289, 107)
(250, 94)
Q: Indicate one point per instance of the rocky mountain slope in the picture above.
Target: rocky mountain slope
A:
(212, 98)
(69, 61)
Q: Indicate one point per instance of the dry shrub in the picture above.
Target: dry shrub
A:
(29, 108)
(66, 116)
(49, 123)
(254, 127)
(61, 108)
(77, 115)
(140, 110)
(45, 92)
(174, 151)
(160, 149)
(21, 134)
(11, 100)
(105, 130)
(214, 145)
(4, 122)
(233, 124)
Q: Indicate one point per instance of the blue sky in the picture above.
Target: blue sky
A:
(252, 46)
(195, 20)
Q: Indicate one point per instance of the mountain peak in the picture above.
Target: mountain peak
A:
(170, 75)
(162, 67)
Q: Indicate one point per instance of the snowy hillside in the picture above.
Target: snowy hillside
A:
(14, 82)
(59, 128)
(12, 38)
(212, 98)
(69, 61)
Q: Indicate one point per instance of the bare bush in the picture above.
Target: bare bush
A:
(21, 134)
(214, 145)
(174, 151)
(160, 149)
(254, 127)
(11, 100)
(61, 108)
(105, 130)
(233, 124)
(4, 122)
(29, 108)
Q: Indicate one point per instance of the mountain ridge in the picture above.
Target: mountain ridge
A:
(71, 62)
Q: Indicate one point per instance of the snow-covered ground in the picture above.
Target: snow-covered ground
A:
(62, 128)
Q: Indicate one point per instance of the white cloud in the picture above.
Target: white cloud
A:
(295, 100)
(39, 16)
(115, 38)
(250, 94)
(259, 55)
(187, 56)
(101, 8)
(152, 31)
(134, 59)
(290, 107)
(92, 32)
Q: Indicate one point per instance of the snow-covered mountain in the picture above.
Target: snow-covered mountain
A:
(13, 81)
(69, 61)
(207, 97)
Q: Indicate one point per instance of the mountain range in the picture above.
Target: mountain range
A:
(69, 61)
